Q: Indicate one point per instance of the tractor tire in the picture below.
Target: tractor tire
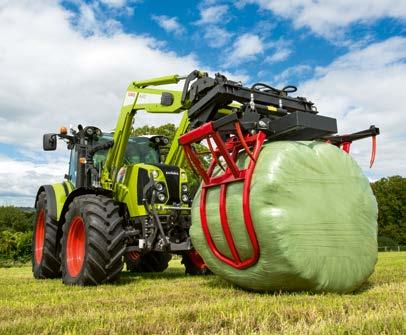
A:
(45, 259)
(153, 261)
(194, 264)
(93, 241)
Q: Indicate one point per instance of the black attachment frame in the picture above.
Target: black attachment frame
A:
(263, 108)
(341, 139)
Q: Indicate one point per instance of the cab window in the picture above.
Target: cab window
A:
(139, 150)
(73, 166)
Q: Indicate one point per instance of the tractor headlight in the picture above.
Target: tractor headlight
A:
(185, 198)
(161, 197)
(184, 188)
(159, 187)
(155, 173)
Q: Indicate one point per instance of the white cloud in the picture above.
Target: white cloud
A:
(217, 37)
(114, 3)
(325, 17)
(246, 47)
(278, 56)
(16, 179)
(54, 75)
(94, 19)
(213, 14)
(362, 88)
(170, 24)
(285, 76)
(212, 19)
(88, 23)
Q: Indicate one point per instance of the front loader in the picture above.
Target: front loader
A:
(121, 203)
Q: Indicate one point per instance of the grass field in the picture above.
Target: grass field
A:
(171, 303)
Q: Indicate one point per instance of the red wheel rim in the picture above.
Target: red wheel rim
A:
(39, 236)
(134, 255)
(197, 260)
(75, 246)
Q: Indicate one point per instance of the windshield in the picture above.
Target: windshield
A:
(139, 150)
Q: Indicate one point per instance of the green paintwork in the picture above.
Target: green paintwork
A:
(134, 101)
(60, 195)
(124, 125)
(128, 195)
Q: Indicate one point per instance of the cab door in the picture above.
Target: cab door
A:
(73, 163)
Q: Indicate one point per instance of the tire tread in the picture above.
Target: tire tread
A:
(105, 246)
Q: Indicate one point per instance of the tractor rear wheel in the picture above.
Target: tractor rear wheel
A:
(194, 264)
(93, 241)
(45, 258)
(153, 261)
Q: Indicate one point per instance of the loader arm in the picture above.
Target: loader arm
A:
(138, 96)
(176, 155)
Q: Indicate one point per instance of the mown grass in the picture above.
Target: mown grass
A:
(171, 303)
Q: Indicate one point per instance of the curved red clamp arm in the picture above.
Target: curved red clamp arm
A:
(373, 152)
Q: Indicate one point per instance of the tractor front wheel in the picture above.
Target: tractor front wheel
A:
(93, 241)
(45, 258)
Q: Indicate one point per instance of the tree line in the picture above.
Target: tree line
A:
(16, 224)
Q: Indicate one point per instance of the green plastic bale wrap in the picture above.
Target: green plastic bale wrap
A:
(314, 215)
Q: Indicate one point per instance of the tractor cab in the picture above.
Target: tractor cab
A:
(140, 149)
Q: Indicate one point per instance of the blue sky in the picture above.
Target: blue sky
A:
(184, 27)
(69, 62)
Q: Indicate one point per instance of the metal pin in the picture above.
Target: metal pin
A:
(252, 103)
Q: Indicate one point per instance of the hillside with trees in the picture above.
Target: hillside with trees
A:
(15, 235)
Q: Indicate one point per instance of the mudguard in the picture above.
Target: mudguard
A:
(56, 197)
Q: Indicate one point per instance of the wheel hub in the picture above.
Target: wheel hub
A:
(75, 246)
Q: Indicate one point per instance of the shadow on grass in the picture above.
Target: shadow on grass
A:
(363, 288)
(127, 277)
(217, 282)
(220, 283)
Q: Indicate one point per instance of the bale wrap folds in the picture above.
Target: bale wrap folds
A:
(315, 218)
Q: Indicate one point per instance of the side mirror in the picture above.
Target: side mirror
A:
(49, 142)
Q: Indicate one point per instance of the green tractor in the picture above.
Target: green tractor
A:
(120, 201)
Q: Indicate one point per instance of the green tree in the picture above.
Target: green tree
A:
(14, 219)
(14, 247)
(390, 194)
